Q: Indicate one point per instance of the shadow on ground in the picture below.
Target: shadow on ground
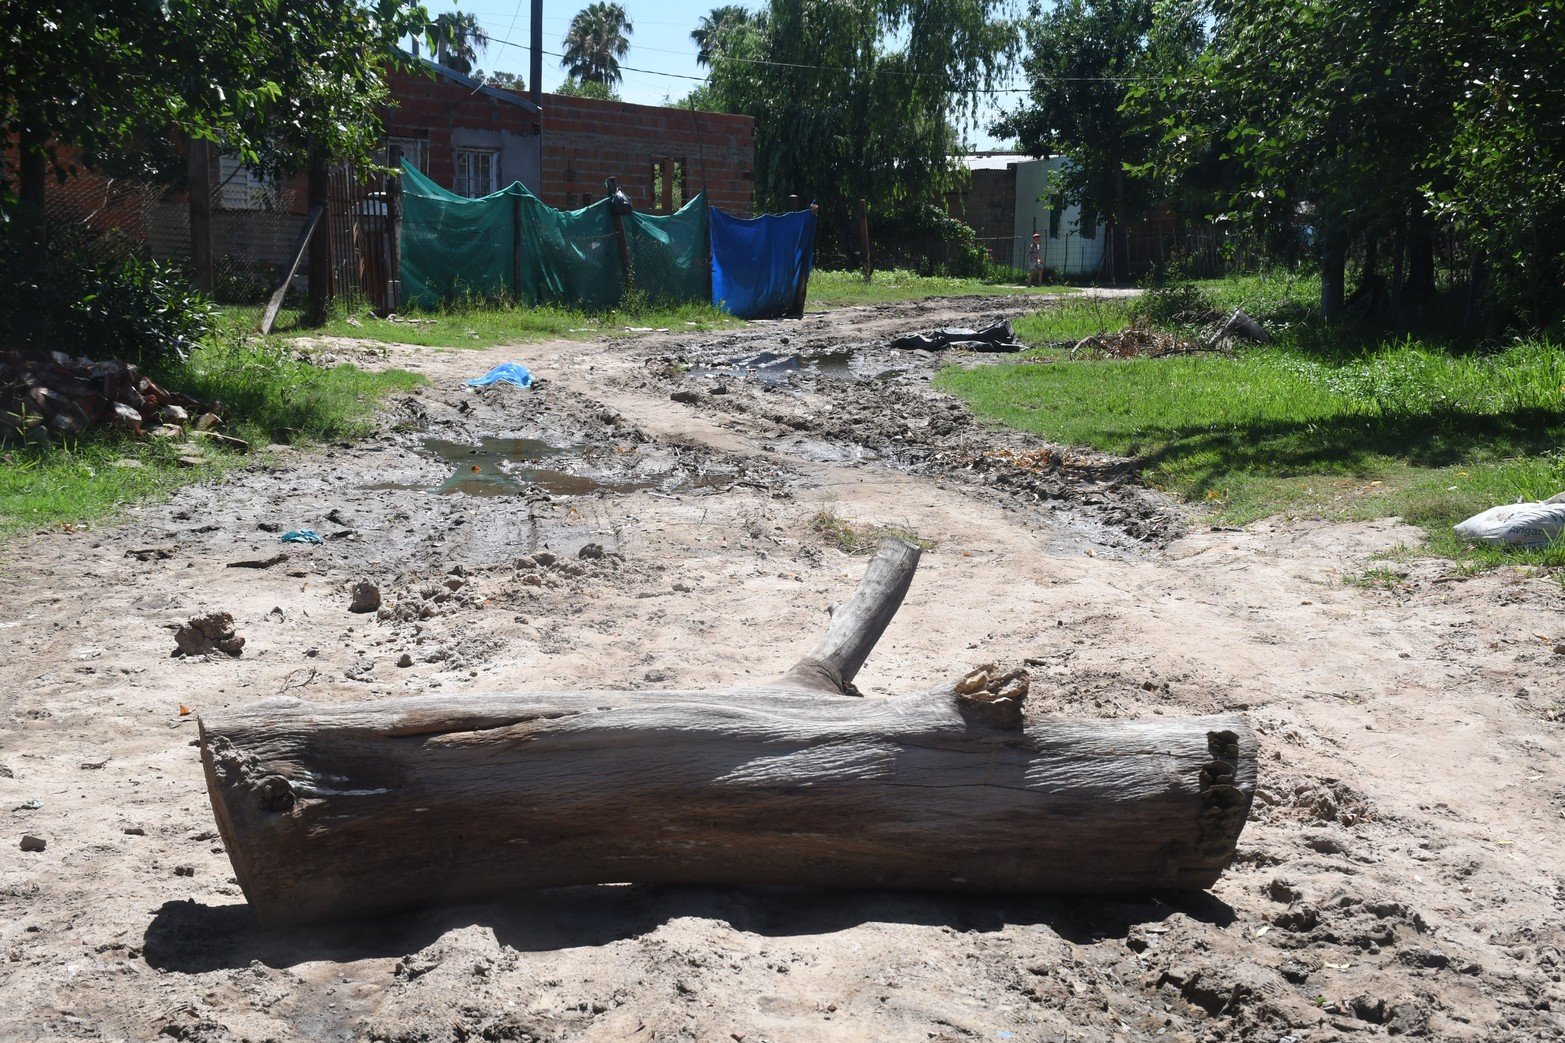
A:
(191, 937)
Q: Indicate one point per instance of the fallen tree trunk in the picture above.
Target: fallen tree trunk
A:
(334, 811)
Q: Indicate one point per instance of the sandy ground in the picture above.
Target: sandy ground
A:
(1403, 872)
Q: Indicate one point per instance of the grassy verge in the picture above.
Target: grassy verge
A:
(1314, 425)
(836, 289)
(484, 326)
(267, 395)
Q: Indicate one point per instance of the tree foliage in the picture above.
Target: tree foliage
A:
(587, 89)
(599, 36)
(709, 33)
(860, 99)
(263, 78)
(1086, 58)
(457, 38)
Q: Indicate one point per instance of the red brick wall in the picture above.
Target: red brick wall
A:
(431, 107)
(586, 140)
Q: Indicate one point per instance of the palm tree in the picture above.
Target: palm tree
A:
(597, 40)
(709, 32)
(456, 38)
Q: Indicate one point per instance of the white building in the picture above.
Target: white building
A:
(1019, 186)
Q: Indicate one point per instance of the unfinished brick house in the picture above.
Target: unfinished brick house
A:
(474, 139)
(467, 136)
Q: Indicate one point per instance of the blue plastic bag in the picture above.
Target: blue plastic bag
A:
(509, 372)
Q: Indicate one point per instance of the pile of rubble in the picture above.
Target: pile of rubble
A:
(46, 395)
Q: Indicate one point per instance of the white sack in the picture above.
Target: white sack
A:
(1516, 525)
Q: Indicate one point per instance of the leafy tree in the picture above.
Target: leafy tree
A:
(709, 32)
(1087, 58)
(587, 89)
(1332, 111)
(598, 38)
(861, 99)
(457, 38)
(266, 80)
(509, 80)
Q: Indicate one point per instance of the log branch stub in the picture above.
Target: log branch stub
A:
(855, 627)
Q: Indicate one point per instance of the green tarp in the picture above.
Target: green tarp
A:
(512, 244)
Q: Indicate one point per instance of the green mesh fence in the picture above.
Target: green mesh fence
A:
(512, 244)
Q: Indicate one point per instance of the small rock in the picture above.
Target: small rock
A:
(545, 558)
(686, 397)
(170, 431)
(202, 635)
(366, 597)
(591, 552)
(184, 870)
(532, 579)
(33, 843)
(172, 414)
(127, 462)
(207, 422)
(191, 461)
(455, 583)
(526, 561)
(404, 660)
(134, 831)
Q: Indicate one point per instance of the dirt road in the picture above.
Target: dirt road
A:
(1403, 872)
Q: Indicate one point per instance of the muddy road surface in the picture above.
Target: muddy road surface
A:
(672, 511)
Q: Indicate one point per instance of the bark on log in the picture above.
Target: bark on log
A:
(332, 811)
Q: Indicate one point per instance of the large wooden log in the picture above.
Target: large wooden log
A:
(331, 811)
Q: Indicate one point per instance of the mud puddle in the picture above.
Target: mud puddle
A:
(498, 466)
(776, 368)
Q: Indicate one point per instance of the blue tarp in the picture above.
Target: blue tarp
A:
(758, 263)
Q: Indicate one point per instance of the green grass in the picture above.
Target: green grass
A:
(486, 325)
(268, 396)
(836, 289)
(1055, 329)
(1316, 425)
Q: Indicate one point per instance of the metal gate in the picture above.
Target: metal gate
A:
(361, 228)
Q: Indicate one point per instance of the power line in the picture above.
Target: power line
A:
(841, 69)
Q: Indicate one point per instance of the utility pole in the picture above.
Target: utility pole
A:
(535, 65)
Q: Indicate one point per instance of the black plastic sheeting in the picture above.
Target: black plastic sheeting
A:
(998, 338)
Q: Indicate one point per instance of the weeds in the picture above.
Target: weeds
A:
(852, 538)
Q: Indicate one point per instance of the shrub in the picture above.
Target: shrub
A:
(100, 300)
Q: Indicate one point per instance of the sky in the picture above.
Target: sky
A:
(660, 68)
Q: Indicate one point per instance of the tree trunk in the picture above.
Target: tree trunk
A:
(1420, 260)
(32, 177)
(1119, 238)
(198, 183)
(1333, 273)
(335, 811)
(320, 243)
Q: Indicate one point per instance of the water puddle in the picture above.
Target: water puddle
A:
(770, 367)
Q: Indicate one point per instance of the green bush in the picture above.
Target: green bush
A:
(99, 300)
